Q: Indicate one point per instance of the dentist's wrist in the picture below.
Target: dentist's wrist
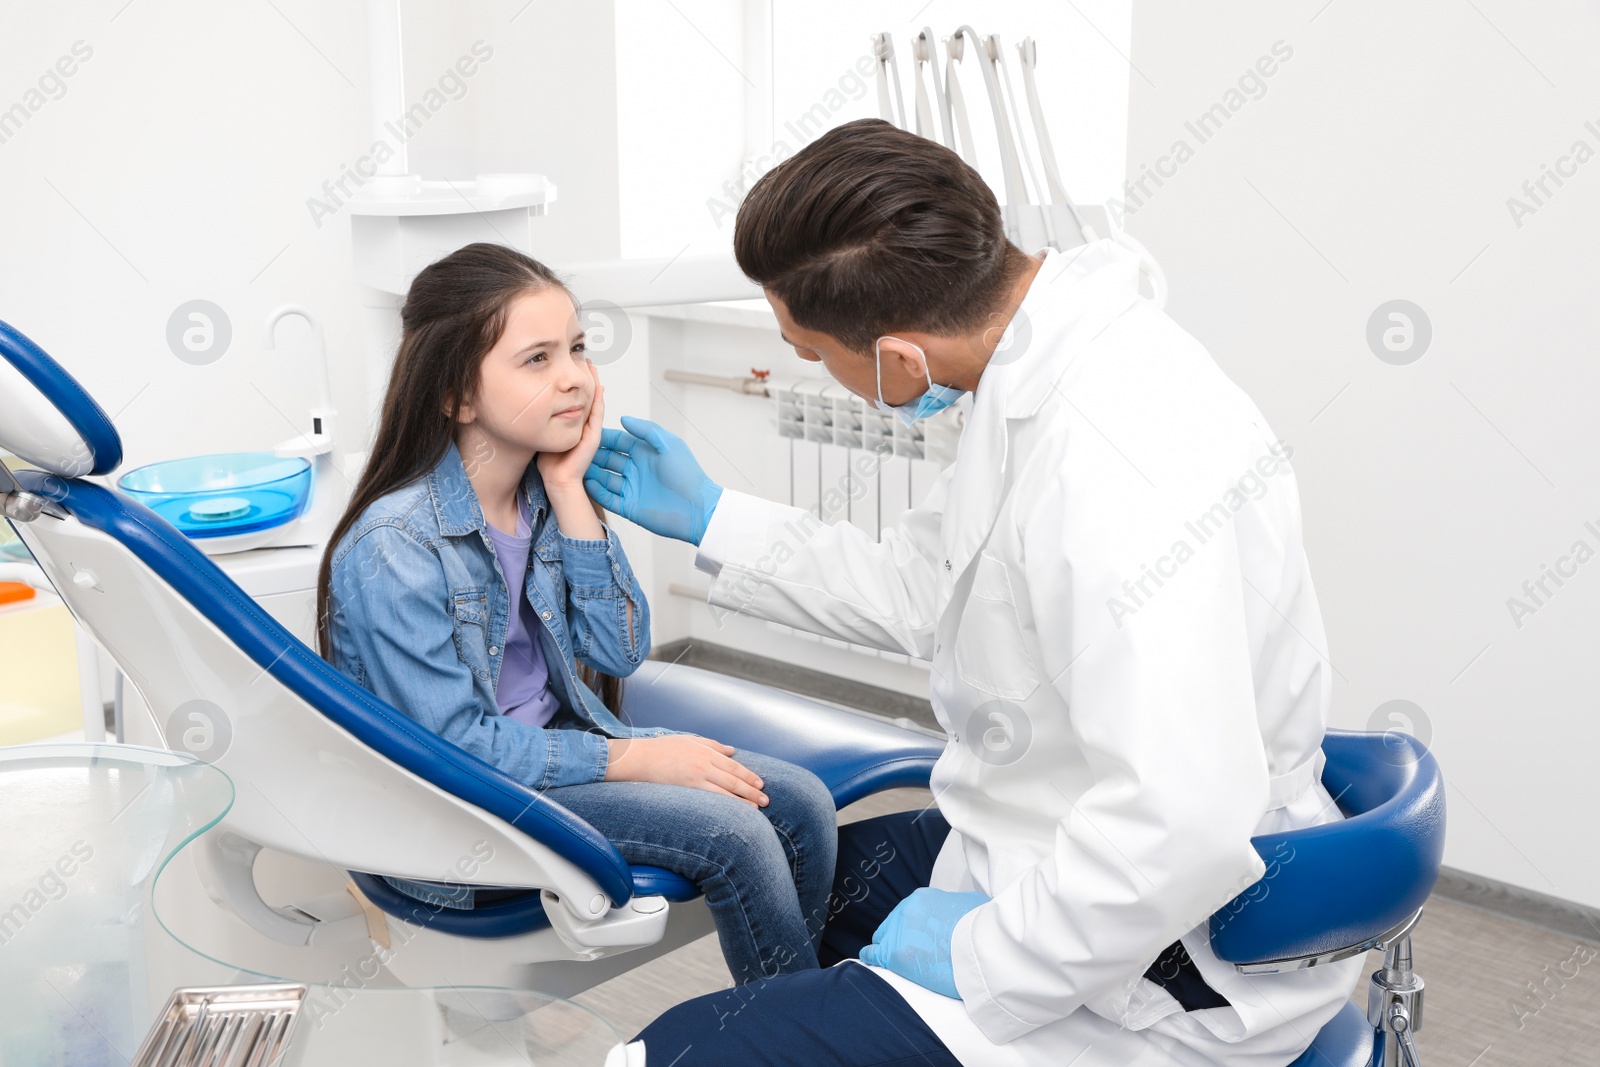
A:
(710, 494)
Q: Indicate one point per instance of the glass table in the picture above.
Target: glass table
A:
(87, 964)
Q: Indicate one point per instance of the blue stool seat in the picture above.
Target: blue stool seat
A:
(1337, 890)
(1320, 895)
(1346, 1041)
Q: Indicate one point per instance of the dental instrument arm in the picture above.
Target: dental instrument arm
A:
(922, 56)
(1028, 51)
(888, 70)
(1016, 190)
(955, 49)
(992, 49)
(946, 125)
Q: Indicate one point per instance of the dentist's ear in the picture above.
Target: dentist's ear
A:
(902, 358)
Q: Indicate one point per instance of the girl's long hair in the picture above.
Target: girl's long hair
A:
(454, 313)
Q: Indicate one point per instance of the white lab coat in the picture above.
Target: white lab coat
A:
(1130, 662)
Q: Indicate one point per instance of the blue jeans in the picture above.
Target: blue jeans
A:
(838, 1016)
(766, 872)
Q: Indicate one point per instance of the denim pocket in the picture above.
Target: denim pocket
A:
(471, 610)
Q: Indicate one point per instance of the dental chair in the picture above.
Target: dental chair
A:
(325, 771)
(1344, 888)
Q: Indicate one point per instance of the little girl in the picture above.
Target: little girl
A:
(472, 584)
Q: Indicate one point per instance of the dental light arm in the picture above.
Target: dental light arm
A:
(992, 49)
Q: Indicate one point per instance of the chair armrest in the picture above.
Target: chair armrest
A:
(855, 755)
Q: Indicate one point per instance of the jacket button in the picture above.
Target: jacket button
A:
(545, 616)
(494, 650)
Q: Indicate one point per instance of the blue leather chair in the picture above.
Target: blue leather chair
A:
(1348, 887)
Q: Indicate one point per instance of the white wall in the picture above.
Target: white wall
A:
(174, 167)
(1377, 165)
(179, 161)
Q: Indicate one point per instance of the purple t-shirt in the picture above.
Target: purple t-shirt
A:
(523, 691)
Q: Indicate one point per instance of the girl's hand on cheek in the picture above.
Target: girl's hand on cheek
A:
(565, 470)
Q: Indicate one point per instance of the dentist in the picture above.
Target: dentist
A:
(1127, 652)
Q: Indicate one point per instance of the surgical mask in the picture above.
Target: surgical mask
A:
(935, 400)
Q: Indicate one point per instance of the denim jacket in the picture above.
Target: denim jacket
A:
(419, 612)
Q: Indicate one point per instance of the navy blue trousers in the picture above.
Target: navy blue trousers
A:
(837, 1016)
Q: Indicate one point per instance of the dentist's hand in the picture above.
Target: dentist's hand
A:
(650, 477)
(914, 941)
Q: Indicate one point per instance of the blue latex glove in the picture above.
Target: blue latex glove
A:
(914, 941)
(649, 476)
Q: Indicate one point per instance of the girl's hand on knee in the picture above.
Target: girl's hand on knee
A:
(683, 759)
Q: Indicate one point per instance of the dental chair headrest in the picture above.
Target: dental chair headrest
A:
(46, 417)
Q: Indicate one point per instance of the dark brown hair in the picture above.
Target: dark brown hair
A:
(870, 230)
(454, 314)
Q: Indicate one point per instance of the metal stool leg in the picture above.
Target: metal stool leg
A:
(1394, 1004)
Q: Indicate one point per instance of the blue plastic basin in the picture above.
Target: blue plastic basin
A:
(223, 495)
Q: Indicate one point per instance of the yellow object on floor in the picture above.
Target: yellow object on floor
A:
(38, 672)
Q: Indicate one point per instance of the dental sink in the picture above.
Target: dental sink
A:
(225, 495)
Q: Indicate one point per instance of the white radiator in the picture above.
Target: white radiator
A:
(850, 462)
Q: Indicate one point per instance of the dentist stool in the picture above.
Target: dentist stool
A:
(1347, 887)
